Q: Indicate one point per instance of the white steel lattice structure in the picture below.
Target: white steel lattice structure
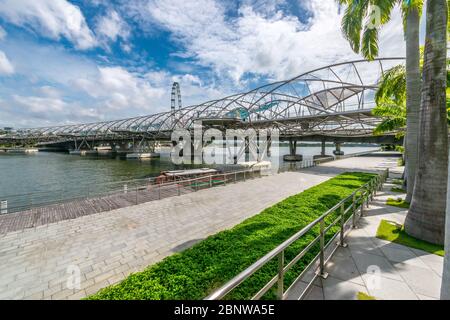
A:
(335, 100)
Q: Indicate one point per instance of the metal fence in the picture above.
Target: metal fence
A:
(114, 195)
(343, 212)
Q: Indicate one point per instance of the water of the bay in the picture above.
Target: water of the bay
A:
(45, 171)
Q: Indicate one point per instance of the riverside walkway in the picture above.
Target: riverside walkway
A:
(108, 246)
(403, 273)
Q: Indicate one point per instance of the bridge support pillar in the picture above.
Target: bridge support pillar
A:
(322, 151)
(143, 149)
(292, 156)
(338, 151)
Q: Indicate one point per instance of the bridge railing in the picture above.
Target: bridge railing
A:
(130, 192)
(340, 215)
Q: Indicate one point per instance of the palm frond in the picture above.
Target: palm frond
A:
(392, 86)
(389, 111)
(352, 22)
(369, 47)
(390, 125)
(386, 7)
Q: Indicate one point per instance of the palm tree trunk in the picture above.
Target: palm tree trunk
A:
(445, 287)
(426, 216)
(412, 97)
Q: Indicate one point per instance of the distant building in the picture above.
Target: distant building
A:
(8, 129)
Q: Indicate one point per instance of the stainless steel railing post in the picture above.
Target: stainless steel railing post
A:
(136, 194)
(322, 272)
(342, 243)
(372, 190)
(362, 203)
(354, 211)
(368, 199)
(280, 286)
(159, 191)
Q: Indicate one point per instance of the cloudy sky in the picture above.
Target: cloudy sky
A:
(71, 61)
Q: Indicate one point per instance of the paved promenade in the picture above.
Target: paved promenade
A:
(404, 273)
(108, 246)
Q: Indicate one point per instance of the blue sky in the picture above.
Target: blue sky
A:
(71, 61)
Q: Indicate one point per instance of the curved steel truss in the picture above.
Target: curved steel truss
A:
(333, 100)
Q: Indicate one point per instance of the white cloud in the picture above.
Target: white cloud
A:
(117, 89)
(2, 33)
(50, 92)
(111, 26)
(40, 105)
(266, 42)
(61, 86)
(51, 18)
(6, 66)
(47, 63)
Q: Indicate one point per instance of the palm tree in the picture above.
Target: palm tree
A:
(445, 287)
(394, 119)
(362, 34)
(390, 101)
(426, 216)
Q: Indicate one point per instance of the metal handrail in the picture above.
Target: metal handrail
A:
(365, 193)
(40, 199)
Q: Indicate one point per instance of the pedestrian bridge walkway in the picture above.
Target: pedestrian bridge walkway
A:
(402, 273)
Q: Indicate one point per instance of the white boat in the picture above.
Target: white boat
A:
(177, 175)
(256, 164)
(83, 152)
(23, 150)
(143, 155)
(106, 148)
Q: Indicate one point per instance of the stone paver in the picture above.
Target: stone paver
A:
(108, 246)
(389, 271)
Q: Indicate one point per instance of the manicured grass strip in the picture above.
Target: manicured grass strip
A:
(397, 181)
(394, 232)
(397, 203)
(396, 189)
(198, 271)
(363, 296)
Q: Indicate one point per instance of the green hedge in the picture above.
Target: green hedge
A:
(196, 272)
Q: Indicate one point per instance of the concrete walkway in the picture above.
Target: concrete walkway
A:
(382, 269)
(106, 247)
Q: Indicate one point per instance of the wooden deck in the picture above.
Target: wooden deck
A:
(86, 206)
